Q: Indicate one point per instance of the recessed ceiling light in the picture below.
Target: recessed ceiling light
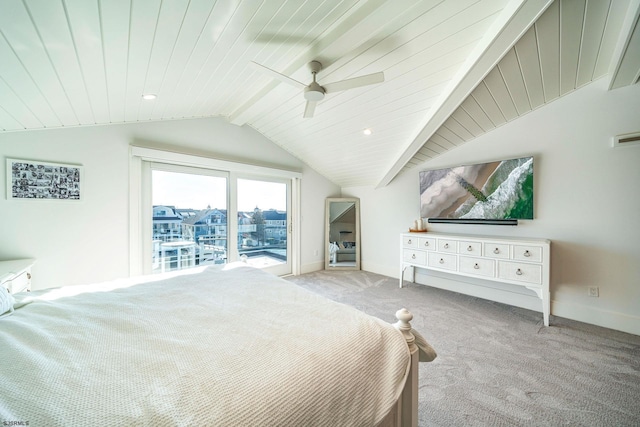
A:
(149, 96)
(367, 131)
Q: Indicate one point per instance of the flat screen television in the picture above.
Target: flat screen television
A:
(498, 192)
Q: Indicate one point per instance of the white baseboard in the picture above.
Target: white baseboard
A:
(606, 319)
(522, 297)
(384, 270)
(494, 291)
(311, 267)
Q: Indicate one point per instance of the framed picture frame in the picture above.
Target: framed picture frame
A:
(35, 180)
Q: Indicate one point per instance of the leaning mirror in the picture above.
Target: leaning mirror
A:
(342, 231)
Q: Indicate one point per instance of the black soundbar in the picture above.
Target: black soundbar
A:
(473, 221)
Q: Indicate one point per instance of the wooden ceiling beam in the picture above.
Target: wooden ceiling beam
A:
(515, 19)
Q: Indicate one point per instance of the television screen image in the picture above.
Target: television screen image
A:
(501, 190)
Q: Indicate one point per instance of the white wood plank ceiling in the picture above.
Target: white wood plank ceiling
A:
(454, 69)
(572, 44)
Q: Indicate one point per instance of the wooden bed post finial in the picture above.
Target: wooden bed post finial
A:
(404, 316)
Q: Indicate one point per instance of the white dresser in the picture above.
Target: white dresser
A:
(15, 275)
(522, 262)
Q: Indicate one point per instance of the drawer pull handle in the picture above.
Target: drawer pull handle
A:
(469, 248)
(441, 261)
(413, 256)
(527, 253)
(519, 272)
(409, 242)
(426, 243)
(476, 266)
(446, 246)
(496, 251)
(29, 276)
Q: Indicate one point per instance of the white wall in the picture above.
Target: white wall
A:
(587, 202)
(89, 241)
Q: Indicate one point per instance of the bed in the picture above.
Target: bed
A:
(232, 346)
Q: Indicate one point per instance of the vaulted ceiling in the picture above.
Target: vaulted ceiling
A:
(453, 69)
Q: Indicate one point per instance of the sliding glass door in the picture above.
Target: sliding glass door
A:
(189, 217)
(263, 223)
(198, 217)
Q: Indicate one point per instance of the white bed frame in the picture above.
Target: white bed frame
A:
(405, 413)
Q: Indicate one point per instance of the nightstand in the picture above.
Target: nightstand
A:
(15, 275)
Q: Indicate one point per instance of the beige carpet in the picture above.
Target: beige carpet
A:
(498, 365)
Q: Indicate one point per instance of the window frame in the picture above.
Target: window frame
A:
(140, 209)
(278, 269)
(147, 230)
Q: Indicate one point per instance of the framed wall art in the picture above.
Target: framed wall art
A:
(29, 179)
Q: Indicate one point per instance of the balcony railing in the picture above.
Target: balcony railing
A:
(181, 254)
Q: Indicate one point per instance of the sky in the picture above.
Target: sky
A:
(199, 191)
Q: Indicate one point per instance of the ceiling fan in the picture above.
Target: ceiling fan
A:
(313, 92)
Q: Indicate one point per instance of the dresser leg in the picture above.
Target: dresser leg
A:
(546, 307)
(403, 268)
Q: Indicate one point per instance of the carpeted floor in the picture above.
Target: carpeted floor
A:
(498, 365)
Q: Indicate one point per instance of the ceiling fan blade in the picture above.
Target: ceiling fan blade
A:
(309, 109)
(369, 79)
(279, 76)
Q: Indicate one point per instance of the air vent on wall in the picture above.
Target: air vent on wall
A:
(626, 140)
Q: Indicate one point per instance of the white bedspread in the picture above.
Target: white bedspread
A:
(238, 347)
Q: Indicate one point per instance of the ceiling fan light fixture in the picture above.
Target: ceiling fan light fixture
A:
(314, 92)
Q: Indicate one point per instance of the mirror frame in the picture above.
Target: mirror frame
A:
(327, 216)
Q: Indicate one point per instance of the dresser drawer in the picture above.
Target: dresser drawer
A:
(414, 257)
(442, 261)
(496, 250)
(19, 284)
(520, 272)
(527, 253)
(15, 275)
(477, 266)
(427, 243)
(470, 248)
(409, 241)
(445, 245)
